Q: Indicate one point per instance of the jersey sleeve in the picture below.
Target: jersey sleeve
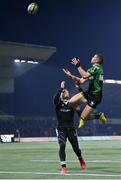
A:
(93, 70)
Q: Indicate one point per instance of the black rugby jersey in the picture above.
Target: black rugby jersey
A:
(64, 112)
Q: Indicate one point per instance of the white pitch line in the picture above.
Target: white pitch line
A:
(67, 174)
(90, 161)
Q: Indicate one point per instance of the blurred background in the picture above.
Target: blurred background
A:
(76, 28)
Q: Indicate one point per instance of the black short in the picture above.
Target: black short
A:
(92, 100)
(64, 133)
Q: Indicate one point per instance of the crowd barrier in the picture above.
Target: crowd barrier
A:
(83, 138)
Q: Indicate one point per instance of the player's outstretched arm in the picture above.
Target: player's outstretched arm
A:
(62, 84)
(81, 71)
(56, 98)
(69, 74)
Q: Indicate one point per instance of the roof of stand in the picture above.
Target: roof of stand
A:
(12, 50)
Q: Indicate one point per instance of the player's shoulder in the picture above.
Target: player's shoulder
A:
(97, 67)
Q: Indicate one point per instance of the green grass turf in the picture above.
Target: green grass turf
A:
(37, 160)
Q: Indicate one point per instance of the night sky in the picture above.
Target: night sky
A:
(78, 28)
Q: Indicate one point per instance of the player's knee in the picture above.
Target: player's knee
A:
(76, 99)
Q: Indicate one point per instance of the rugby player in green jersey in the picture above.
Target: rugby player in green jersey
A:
(93, 96)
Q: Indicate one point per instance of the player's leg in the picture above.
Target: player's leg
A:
(72, 137)
(62, 145)
(77, 99)
(93, 116)
(92, 102)
(85, 114)
(101, 116)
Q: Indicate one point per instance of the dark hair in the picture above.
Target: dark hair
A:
(100, 56)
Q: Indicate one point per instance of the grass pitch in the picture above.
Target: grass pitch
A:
(40, 161)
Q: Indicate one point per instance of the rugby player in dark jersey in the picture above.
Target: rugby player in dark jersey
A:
(65, 128)
(93, 95)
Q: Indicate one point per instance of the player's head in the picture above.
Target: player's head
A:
(97, 59)
(65, 93)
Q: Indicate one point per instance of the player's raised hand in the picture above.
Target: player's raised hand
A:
(77, 84)
(67, 72)
(63, 84)
(75, 61)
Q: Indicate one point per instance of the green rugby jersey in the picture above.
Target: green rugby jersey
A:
(96, 79)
